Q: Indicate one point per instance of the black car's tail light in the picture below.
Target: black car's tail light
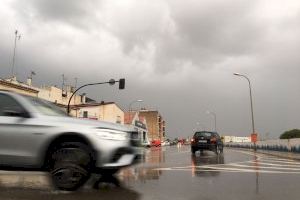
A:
(213, 140)
(192, 140)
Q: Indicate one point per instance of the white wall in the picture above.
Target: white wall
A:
(277, 145)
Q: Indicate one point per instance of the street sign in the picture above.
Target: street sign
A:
(254, 137)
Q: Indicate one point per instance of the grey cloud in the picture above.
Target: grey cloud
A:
(203, 33)
(76, 13)
(178, 56)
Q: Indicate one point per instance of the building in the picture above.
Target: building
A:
(140, 125)
(59, 96)
(80, 105)
(155, 123)
(18, 87)
(236, 139)
(105, 111)
(49, 93)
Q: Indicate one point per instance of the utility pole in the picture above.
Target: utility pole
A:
(17, 37)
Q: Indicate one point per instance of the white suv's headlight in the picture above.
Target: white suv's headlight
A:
(108, 134)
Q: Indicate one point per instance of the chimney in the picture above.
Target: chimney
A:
(29, 81)
(83, 98)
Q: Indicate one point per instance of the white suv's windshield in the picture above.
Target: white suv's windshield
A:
(45, 107)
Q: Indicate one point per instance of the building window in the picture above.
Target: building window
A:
(118, 120)
(85, 114)
(144, 136)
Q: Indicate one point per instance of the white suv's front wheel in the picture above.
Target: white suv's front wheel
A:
(70, 166)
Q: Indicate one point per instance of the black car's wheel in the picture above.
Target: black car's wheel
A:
(70, 165)
(193, 150)
(218, 150)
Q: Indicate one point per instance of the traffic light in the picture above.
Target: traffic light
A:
(122, 83)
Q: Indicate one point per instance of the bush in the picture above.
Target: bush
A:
(295, 133)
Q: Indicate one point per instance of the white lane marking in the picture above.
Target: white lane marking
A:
(275, 164)
(257, 169)
(233, 170)
(264, 167)
(204, 166)
(278, 161)
(230, 169)
(281, 160)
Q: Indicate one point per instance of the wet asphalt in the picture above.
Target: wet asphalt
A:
(174, 173)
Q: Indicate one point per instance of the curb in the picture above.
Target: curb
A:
(288, 155)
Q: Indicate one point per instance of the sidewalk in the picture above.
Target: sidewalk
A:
(37, 180)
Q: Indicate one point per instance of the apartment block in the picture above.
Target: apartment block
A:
(155, 123)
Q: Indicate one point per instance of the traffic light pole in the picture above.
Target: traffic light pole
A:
(111, 82)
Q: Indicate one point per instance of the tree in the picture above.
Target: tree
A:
(295, 133)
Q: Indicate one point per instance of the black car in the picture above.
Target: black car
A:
(205, 140)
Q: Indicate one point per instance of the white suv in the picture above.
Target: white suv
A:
(37, 135)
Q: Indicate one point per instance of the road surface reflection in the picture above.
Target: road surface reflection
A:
(205, 158)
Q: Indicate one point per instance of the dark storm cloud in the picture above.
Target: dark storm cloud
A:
(76, 13)
(202, 33)
(178, 56)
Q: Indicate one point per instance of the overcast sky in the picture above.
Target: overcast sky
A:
(178, 56)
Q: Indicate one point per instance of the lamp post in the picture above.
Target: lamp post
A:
(201, 126)
(129, 107)
(251, 103)
(215, 118)
(111, 82)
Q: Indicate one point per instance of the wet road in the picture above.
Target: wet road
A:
(173, 173)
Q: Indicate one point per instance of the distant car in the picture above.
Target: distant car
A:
(37, 135)
(186, 142)
(205, 140)
(155, 143)
(146, 144)
(165, 143)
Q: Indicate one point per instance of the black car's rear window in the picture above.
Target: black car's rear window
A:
(203, 134)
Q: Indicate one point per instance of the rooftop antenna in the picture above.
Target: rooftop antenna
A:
(32, 73)
(29, 80)
(17, 37)
(76, 79)
(63, 85)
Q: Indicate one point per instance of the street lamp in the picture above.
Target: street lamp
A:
(251, 103)
(135, 101)
(215, 118)
(201, 126)
(110, 82)
(129, 108)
